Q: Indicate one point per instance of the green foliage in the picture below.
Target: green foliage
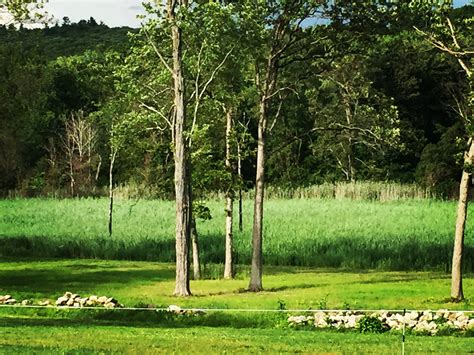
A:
(371, 324)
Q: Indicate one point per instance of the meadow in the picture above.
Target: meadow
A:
(342, 233)
(319, 253)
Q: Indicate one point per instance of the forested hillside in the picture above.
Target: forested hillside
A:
(372, 100)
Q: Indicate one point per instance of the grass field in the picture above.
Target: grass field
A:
(146, 283)
(135, 283)
(61, 338)
(398, 235)
(332, 254)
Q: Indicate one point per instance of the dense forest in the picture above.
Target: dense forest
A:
(370, 99)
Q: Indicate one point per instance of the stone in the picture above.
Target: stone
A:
(10, 301)
(102, 299)
(90, 303)
(351, 321)
(427, 316)
(61, 301)
(70, 302)
(93, 298)
(44, 303)
(452, 317)
(443, 313)
(293, 319)
(26, 302)
(68, 294)
(174, 308)
(109, 305)
(459, 314)
(412, 315)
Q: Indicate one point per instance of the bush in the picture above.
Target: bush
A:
(370, 324)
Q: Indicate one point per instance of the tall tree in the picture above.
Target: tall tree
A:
(182, 175)
(277, 27)
(457, 41)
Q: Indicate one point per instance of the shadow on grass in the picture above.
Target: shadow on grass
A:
(146, 319)
(80, 277)
(357, 252)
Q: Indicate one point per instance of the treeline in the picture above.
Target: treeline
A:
(83, 105)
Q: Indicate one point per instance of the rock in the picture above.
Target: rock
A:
(102, 300)
(26, 302)
(393, 324)
(61, 301)
(90, 303)
(10, 301)
(452, 317)
(459, 314)
(174, 308)
(67, 294)
(427, 316)
(93, 298)
(294, 319)
(45, 303)
(351, 321)
(443, 313)
(412, 315)
(70, 302)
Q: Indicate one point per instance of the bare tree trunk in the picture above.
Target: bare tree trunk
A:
(181, 176)
(350, 151)
(456, 276)
(239, 173)
(111, 190)
(256, 271)
(195, 243)
(229, 260)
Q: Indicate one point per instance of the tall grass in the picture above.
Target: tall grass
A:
(363, 190)
(360, 191)
(394, 235)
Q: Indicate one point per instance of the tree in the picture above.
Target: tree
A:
(457, 42)
(21, 11)
(277, 29)
(354, 123)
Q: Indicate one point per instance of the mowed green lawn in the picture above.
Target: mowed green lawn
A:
(148, 283)
(51, 339)
(134, 283)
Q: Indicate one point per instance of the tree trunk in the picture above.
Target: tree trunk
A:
(111, 190)
(229, 261)
(350, 150)
(181, 176)
(256, 271)
(456, 276)
(239, 173)
(195, 243)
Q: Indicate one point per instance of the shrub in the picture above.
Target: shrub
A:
(370, 324)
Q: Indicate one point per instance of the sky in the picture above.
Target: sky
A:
(114, 13)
